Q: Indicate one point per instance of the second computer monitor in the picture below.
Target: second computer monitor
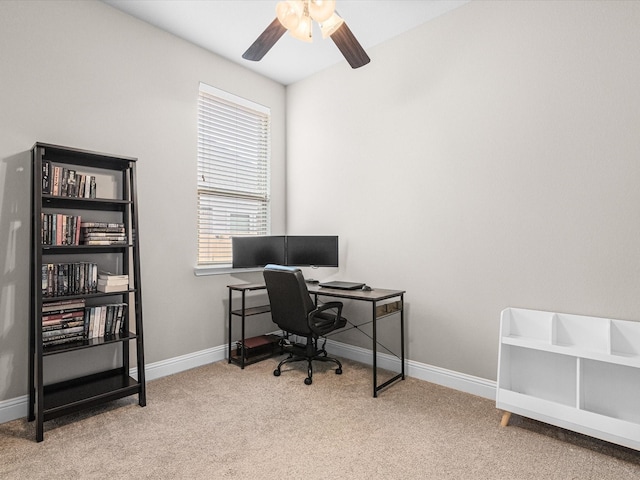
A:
(312, 250)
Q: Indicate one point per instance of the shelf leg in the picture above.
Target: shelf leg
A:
(505, 419)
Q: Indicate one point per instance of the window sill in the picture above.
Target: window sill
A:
(202, 271)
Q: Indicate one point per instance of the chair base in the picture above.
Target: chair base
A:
(310, 354)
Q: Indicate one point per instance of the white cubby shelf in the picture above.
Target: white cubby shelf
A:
(577, 372)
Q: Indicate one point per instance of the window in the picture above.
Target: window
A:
(233, 173)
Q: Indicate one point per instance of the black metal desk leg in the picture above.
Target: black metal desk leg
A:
(375, 354)
(243, 315)
(230, 322)
(402, 333)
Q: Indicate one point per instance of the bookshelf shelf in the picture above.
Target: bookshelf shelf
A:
(88, 343)
(65, 249)
(68, 397)
(86, 295)
(80, 196)
(54, 201)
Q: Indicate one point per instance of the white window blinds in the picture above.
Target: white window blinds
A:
(233, 172)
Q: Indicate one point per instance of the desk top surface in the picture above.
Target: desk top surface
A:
(373, 295)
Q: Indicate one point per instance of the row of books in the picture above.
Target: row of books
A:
(62, 229)
(60, 279)
(63, 321)
(103, 233)
(79, 278)
(72, 321)
(66, 182)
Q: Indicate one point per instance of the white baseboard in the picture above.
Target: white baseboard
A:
(183, 362)
(429, 373)
(15, 408)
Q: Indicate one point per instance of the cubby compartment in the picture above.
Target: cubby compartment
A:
(527, 324)
(611, 390)
(625, 338)
(539, 374)
(585, 333)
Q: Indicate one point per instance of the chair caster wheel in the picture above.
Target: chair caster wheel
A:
(308, 381)
(338, 371)
(276, 373)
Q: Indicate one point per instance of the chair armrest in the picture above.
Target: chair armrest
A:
(321, 323)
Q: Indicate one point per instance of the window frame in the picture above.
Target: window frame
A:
(255, 194)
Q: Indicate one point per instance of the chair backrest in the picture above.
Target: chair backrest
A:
(289, 298)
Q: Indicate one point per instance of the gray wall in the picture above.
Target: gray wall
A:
(486, 159)
(489, 158)
(85, 75)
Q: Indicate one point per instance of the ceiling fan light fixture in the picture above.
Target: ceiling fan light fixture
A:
(289, 13)
(321, 10)
(297, 17)
(304, 30)
(328, 27)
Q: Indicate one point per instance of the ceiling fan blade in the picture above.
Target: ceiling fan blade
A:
(265, 41)
(350, 47)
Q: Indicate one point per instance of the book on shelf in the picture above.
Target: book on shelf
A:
(106, 230)
(62, 338)
(111, 281)
(46, 177)
(108, 233)
(66, 316)
(108, 283)
(112, 277)
(62, 324)
(61, 306)
(63, 330)
(72, 187)
(109, 324)
(105, 242)
(113, 288)
(102, 225)
(56, 181)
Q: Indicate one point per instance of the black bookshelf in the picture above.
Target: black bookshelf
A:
(52, 400)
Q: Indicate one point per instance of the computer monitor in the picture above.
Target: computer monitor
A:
(312, 251)
(258, 251)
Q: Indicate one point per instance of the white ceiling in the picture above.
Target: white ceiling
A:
(229, 27)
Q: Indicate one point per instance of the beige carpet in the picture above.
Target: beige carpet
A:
(220, 422)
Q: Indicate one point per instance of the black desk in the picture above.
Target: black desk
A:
(380, 308)
(378, 312)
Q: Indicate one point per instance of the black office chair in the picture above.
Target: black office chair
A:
(294, 312)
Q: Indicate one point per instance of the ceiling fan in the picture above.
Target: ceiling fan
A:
(296, 16)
